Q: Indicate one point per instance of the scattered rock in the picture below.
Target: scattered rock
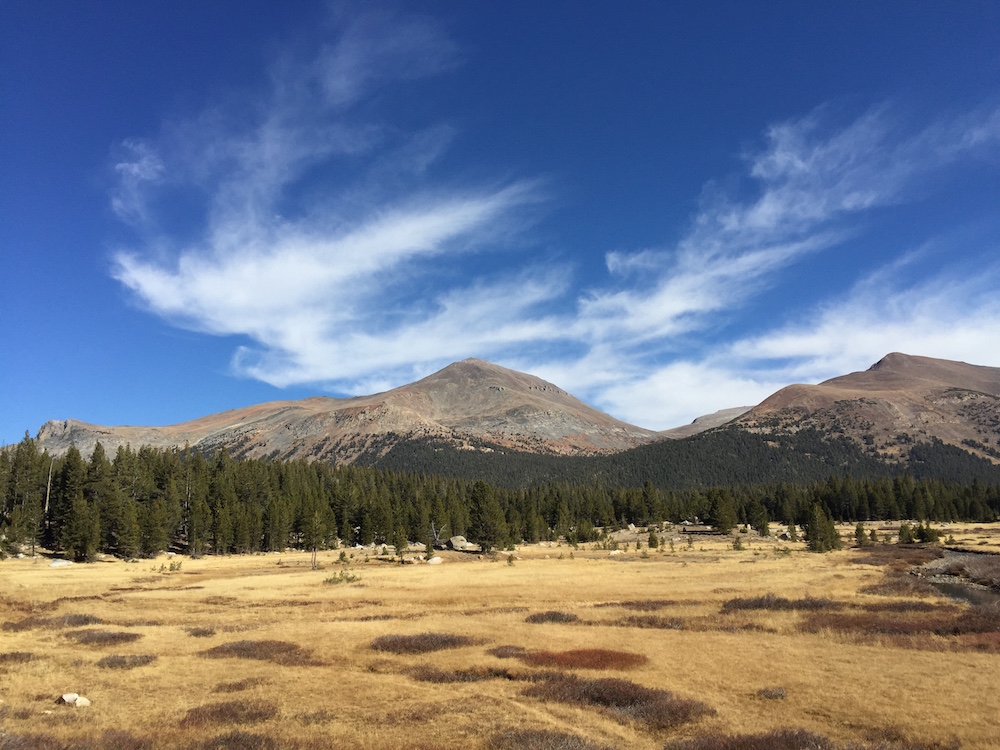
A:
(60, 563)
(73, 699)
(615, 552)
(458, 542)
(435, 561)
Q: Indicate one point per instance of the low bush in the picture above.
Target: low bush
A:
(278, 652)
(239, 685)
(772, 693)
(449, 676)
(648, 605)
(50, 623)
(551, 616)
(772, 603)
(585, 658)
(240, 740)
(654, 622)
(507, 652)
(201, 632)
(778, 739)
(230, 712)
(16, 657)
(102, 637)
(127, 661)
(658, 709)
(900, 584)
(421, 643)
(540, 739)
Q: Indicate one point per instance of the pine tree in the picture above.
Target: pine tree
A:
(489, 525)
(129, 535)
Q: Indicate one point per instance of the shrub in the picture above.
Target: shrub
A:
(651, 621)
(507, 652)
(448, 676)
(778, 739)
(16, 657)
(240, 740)
(585, 658)
(551, 616)
(772, 693)
(66, 621)
(238, 686)
(540, 739)
(774, 603)
(229, 712)
(102, 637)
(625, 700)
(422, 643)
(201, 632)
(277, 652)
(128, 661)
(647, 605)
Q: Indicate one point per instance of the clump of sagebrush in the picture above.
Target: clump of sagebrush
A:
(585, 658)
(238, 685)
(230, 712)
(102, 637)
(507, 652)
(540, 739)
(344, 576)
(126, 661)
(421, 643)
(199, 632)
(278, 652)
(654, 622)
(658, 709)
(16, 657)
(773, 603)
(778, 739)
(647, 605)
(474, 674)
(551, 616)
(772, 693)
(66, 621)
(240, 740)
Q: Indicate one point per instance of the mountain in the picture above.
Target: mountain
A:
(900, 401)
(706, 422)
(469, 404)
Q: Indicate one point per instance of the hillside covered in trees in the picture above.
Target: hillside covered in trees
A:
(142, 502)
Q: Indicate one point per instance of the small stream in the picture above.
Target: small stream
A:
(956, 587)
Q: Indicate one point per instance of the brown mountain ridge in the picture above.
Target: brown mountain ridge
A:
(467, 403)
(900, 400)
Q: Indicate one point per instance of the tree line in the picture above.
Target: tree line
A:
(139, 503)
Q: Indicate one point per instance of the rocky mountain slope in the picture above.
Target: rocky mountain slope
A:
(900, 400)
(466, 404)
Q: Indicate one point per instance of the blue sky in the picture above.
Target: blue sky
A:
(665, 208)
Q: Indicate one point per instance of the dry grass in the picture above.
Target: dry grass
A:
(842, 685)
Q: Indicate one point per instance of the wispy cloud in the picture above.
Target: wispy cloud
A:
(320, 232)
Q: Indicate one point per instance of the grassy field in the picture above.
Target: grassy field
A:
(548, 647)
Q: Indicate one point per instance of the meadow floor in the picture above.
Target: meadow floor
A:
(552, 648)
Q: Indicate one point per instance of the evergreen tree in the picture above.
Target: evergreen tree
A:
(129, 535)
(821, 532)
(489, 526)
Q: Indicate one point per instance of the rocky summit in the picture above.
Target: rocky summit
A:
(900, 400)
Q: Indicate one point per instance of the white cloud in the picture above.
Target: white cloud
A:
(364, 282)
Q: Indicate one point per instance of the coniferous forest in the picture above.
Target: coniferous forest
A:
(139, 503)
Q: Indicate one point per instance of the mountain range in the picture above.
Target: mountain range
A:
(480, 407)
